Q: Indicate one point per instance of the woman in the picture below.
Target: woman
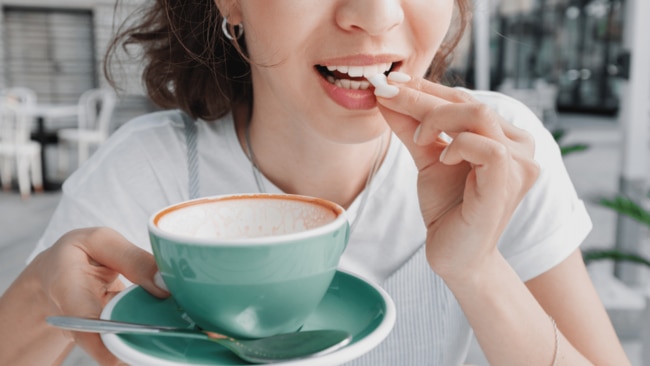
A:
(476, 233)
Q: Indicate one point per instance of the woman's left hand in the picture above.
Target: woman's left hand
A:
(469, 188)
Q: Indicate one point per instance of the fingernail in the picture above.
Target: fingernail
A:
(386, 91)
(446, 138)
(443, 153)
(416, 134)
(399, 77)
(158, 280)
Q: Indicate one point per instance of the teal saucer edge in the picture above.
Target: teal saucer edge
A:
(351, 303)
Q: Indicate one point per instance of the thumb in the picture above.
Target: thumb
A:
(114, 251)
(402, 125)
(405, 128)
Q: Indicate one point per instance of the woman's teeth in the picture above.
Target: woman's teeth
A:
(361, 71)
(343, 76)
(349, 84)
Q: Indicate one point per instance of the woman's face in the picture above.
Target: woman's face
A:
(310, 56)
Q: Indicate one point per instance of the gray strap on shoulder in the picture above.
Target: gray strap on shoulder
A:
(192, 156)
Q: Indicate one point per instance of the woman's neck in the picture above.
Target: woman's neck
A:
(304, 163)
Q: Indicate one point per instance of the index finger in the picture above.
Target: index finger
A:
(473, 109)
(404, 113)
(415, 100)
(449, 94)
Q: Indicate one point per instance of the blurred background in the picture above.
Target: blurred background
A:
(575, 45)
(581, 65)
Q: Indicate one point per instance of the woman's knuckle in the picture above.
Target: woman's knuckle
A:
(500, 152)
(484, 116)
(462, 96)
(533, 171)
(524, 137)
(479, 110)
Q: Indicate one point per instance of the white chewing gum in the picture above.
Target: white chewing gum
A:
(382, 88)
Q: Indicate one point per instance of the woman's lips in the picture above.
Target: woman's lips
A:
(349, 98)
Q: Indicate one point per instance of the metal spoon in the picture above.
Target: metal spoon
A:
(282, 347)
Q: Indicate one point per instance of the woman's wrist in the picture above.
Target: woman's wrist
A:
(28, 339)
(471, 274)
(504, 314)
(26, 296)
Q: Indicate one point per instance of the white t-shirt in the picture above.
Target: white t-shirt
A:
(143, 168)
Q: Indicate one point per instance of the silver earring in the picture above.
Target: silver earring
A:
(239, 30)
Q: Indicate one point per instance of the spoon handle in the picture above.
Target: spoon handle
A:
(282, 347)
(111, 326)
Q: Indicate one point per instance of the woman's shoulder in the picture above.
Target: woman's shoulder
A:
(164, 119)
(166, 126)
(551, 221)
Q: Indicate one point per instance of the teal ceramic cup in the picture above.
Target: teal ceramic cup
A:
(249, 265)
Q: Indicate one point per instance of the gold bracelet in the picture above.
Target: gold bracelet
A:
(557, 342)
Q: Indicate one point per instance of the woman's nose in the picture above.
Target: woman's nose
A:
(371, 16)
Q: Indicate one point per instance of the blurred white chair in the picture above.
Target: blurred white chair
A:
(17, 147)
(96, 108)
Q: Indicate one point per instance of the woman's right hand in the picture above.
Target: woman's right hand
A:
(468, 188)
(78, 276)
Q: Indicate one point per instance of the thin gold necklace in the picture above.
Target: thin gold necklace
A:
(259, 181)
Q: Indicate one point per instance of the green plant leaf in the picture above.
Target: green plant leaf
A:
(627, 207)
(567, 149)
(613, 254)
(558, 134)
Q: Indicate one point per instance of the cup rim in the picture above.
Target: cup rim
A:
(340, 220)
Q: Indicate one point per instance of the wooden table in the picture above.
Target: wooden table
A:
(42, 113)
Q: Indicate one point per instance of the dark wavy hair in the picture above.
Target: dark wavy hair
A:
(190, 65)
